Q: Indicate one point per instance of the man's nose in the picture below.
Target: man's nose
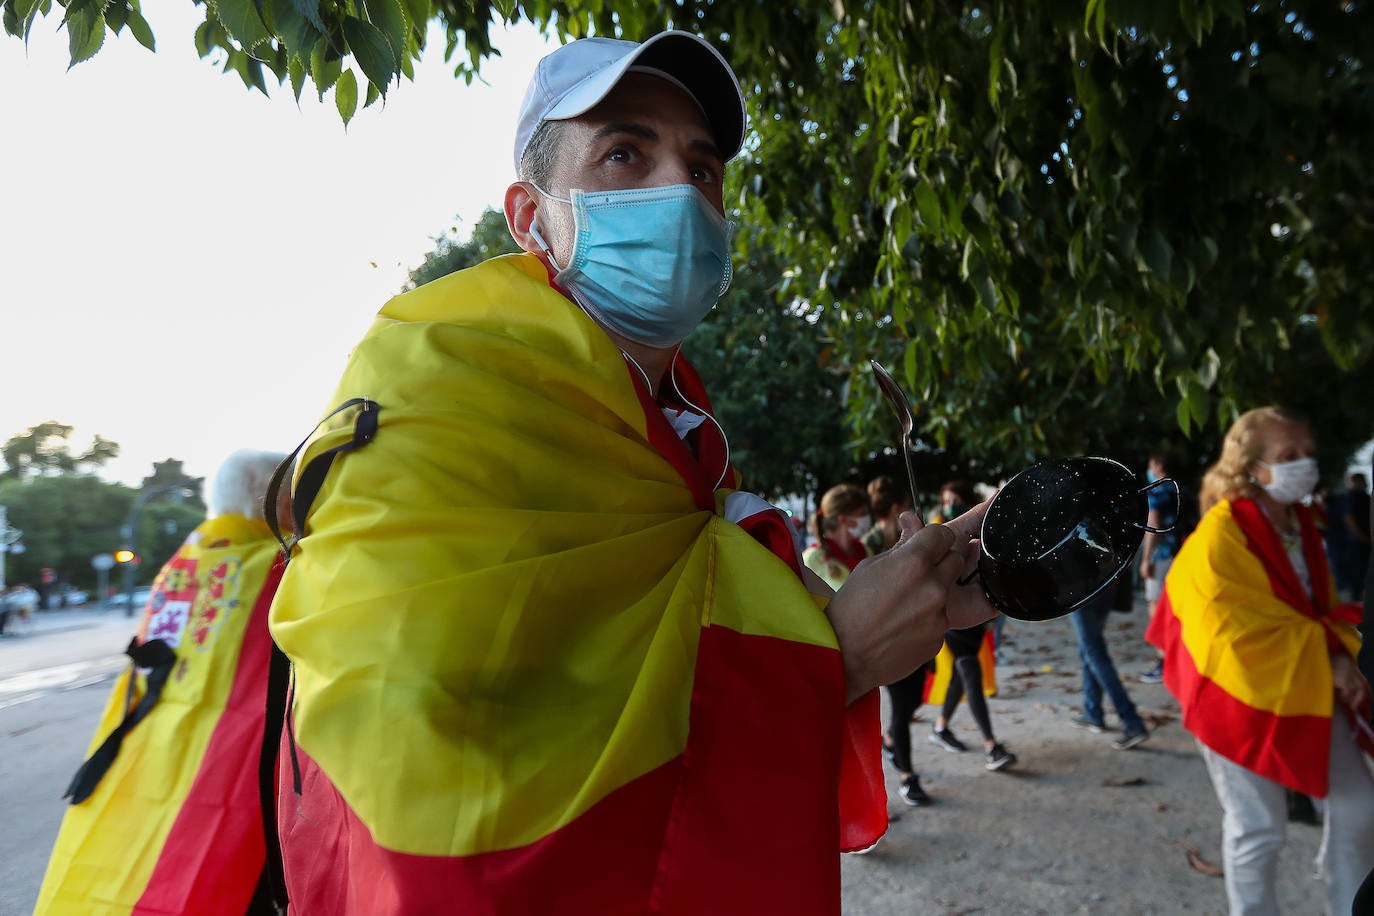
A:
(674, 171)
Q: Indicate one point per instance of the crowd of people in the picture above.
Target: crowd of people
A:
(545, 655)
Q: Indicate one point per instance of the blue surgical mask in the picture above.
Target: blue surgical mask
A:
(647, 263)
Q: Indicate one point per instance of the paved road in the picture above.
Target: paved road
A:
(53, 685)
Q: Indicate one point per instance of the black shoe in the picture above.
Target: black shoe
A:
(945, 738)
(913, 794)
(999, 757)
(1154, 676)
(1092, 725)
(888, 752)
(1130, 740)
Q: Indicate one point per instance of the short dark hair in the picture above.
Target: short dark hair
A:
(536, 165)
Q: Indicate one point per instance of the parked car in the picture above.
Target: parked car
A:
(66, 597)
(121, 599)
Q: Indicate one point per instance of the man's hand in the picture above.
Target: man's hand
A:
(894, 610)
(1352, 690)
(1147, 569)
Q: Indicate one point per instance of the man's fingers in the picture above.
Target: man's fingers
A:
(970, 524)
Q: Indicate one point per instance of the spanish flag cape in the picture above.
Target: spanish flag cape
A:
(537, 668)
(1247, 649)
(175, 823)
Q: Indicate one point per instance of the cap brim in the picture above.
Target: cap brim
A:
(691, 61)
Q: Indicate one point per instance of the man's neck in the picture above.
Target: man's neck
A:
(654, 361)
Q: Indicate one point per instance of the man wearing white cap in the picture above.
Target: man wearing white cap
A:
(548, 657)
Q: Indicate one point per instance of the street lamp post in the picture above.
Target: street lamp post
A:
(129, 532)
(9, 542)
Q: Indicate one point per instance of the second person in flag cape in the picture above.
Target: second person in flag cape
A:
(548, 655)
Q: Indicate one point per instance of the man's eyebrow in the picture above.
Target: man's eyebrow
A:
(644, 132)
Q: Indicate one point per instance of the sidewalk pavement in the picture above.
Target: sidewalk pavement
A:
(62, 620)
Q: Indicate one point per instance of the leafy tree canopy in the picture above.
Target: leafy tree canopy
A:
(45, 449)
(1062, 223)
(173, 485)
(489, 238)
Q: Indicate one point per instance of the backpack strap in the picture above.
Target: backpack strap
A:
(308, 485)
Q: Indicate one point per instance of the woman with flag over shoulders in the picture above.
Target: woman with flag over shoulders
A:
(1261, 656)
(165, 814)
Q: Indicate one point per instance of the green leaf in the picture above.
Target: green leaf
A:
(85, 31)
(203, 33)
(928, 206)
(1158, 255)
(296, 70)
(389, 17)
(1211, 367)
(373, 93)
(324, 69)
(297, 33)
(346, 95)
(310, 9)
(371, 51)
(242, 21)
(418, 12)
(139, 28)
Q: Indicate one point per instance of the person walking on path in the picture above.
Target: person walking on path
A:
(888, 501)
(1100, 676)
(1260, 654)
(967, 680)
(1159, 544)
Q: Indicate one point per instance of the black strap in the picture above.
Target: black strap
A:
(160, 659)
(278, 709)
(364, 430)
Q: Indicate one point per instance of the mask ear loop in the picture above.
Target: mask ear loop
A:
(672, 376)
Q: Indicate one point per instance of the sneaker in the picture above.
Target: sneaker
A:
(913, 794)
(888, 752)
(999, 757)
(1154, 676)
(1092, 725)
(945, 738)
(1131, 739)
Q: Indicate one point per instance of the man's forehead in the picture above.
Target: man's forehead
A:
(644, 101)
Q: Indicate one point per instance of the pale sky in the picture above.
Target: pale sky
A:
(185, 264)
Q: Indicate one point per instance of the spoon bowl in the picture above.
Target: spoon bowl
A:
(896, 399)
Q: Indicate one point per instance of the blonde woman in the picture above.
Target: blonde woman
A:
(1261, 656)
(841, 523)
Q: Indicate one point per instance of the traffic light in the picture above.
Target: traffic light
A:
(125, 556)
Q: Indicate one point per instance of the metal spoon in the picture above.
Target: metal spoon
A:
(902, 408)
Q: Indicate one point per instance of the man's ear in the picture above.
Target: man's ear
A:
(521, 204)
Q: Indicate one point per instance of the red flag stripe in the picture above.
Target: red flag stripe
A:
(745, 821)
(1251, 737)
(220, 821)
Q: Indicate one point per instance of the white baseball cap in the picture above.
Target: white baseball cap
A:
(574, 78)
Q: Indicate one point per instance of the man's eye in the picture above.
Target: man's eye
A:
(704, 175)
(619, 154)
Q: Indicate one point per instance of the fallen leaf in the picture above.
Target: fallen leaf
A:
(1197, 862)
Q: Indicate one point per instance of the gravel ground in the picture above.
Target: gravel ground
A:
(1076, 826)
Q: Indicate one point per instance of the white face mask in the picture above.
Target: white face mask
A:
(858, 527)
(1290, 481)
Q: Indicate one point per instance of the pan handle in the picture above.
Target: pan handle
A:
(1178, 499)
